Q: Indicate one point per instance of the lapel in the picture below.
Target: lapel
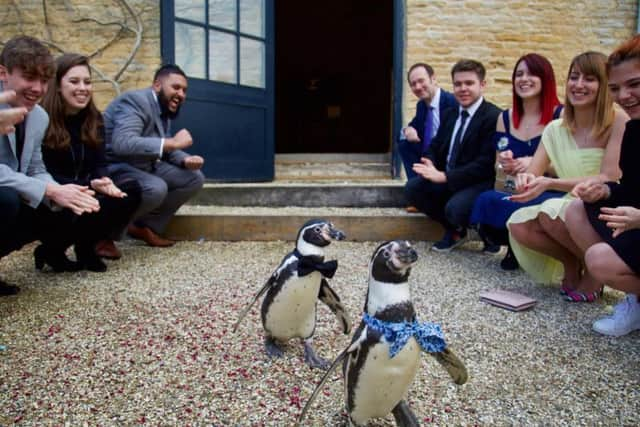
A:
(473, 127)
(155, 112)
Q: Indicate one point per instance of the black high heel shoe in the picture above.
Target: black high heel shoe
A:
(88, 260)
(58, 261)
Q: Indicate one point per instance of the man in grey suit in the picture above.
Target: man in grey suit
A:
(139, 146)
(28, 194)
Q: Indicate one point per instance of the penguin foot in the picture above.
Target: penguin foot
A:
(272, 348)
(313, 360)
(404, 416)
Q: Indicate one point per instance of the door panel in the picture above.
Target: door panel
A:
(226, 49)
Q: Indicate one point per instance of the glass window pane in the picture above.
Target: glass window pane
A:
(190, 9)
(190, 50)
(251, 63)
(222, 13)
(252, 17)
(222, 57)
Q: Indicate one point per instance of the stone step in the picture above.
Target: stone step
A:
(371, 193)
(235, 223)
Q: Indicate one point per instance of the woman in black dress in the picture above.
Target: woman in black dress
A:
(73, 152)
(605, 223)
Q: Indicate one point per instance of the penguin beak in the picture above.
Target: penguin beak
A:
(407, 255)
(337, 234)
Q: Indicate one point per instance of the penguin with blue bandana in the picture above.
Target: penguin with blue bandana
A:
(384, 356)
(292, 291)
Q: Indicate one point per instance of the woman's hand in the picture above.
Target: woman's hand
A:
(105, 186)
(591, 190)
(621, 219)
(529, 186)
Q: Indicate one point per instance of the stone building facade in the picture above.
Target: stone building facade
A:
(123, 36)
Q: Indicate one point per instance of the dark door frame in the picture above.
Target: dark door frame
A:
(399, 23)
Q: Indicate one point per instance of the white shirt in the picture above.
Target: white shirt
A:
(161, 139)
(471, 110)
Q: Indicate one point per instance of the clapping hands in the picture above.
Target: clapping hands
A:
(106, 186)
(10, 116)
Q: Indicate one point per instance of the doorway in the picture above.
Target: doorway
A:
(333, 76)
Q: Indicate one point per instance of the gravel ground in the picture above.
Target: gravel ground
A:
(149, 342)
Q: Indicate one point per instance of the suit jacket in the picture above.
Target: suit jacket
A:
(447, 101)
(133, 131)
(476, 154)
(31, 178)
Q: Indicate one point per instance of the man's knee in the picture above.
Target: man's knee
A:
(414, 190)
(154, 191)
(196, 182)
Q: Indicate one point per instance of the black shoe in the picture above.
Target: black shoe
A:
(450, 241)
(88, 259)
(490, 248)
(509, 262)
(57, 260)
(7, 289)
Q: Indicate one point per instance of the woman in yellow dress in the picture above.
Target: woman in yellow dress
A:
(584, 144)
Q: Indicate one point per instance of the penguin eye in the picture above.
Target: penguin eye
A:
(316, 229)
(386, 253)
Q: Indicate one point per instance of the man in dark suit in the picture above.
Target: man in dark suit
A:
(432, 102)
(459, 163)
(28, 194)
(139, 146)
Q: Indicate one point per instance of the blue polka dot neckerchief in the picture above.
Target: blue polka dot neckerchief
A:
(428, 335)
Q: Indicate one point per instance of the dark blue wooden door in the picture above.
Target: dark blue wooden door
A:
(226, 49)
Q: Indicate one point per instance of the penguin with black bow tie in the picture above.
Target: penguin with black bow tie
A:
(289, 307)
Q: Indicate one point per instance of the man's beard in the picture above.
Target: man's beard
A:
(164, 106)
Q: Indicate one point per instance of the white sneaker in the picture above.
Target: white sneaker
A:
(625, 318)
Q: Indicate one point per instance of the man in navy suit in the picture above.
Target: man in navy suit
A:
(458, 165)
(432, 102)
(28, 194)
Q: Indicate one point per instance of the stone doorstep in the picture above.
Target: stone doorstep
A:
(380, 193)
(265, 224)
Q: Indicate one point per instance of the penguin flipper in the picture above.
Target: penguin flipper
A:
(253, 301)
(453, 365)
(321, 384)
(331, 299)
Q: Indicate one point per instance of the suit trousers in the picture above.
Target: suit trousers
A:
(451, 209)
(164, 190)
(410, 152)
(21, 224)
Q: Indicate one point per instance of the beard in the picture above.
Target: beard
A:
(164, 106)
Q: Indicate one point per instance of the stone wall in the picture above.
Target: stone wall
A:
(105, 29)
(498, 32)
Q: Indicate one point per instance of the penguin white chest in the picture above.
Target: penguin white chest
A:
(292, 313)
(384, 381)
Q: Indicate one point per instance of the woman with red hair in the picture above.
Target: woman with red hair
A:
(518, 132)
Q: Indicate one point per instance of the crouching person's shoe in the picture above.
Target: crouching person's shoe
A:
(7, 289)
(625, 318)
(148, 236)
(108, 249)
(451, 240)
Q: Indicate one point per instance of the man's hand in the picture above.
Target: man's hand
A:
(106, 186)
(193, 162)
(621, 219)
(428, 171)
(411, 134)
(78, 198)
(180, 141)
(10, 116)
(591, 191)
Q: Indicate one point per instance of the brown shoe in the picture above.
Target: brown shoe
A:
(107, 249)
(412, 209)
(148, 236)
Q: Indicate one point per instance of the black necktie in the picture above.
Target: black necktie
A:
(19, 141)
(309, 264)
(464, 115)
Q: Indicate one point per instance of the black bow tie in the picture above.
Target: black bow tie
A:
(309, 264)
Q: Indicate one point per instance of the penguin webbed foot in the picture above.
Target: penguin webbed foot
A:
(313, 360)
(453, 365)
(272, 348)
(404, 416)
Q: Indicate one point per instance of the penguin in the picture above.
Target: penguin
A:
(384, 356)
(289, 307)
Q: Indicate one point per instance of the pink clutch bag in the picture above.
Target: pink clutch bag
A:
(507, 299)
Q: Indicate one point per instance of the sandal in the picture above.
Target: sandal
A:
(566, 289)
(577, 296)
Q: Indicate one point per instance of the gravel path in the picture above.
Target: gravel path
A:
(149, 342)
